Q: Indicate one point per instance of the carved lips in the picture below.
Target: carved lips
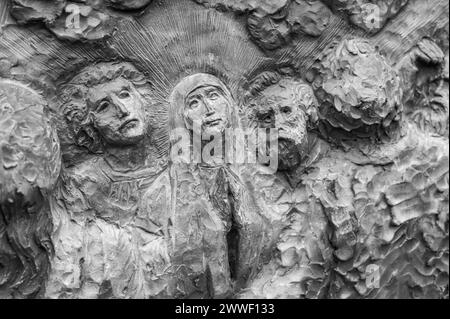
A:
(129, 124)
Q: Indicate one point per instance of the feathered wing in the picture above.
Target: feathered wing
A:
(29, 167)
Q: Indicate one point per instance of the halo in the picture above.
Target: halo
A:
(178, 38)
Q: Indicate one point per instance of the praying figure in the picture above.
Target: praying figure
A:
(217, 234)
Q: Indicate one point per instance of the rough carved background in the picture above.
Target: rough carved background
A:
(91, 206)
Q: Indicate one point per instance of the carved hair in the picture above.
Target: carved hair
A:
(74, 95)
(301, 91)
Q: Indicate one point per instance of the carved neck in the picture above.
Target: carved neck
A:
(311, 151)
(131, 157)
(294, 176)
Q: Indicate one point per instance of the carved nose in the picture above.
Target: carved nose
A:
(122, 108)
(209, 112)
(208, 108)
(279, 121)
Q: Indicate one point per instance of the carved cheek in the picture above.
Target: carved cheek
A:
(227, 113)
(133, 107)
(223, 110)
(297, 120)
(138, 105)
(99, 121)
(190, 117)
(107, 123)
(280, 121)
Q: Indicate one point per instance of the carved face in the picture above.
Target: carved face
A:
(118, 111)
(208, 106)
(280, 109)
(433, 112)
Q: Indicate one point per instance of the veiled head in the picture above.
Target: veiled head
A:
(204, 99)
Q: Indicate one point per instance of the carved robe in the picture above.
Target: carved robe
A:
(102, 246)
(207, 206)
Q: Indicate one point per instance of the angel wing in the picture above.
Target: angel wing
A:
(29, 168)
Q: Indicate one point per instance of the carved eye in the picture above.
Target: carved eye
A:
(125, 94)
(213, 95)
(267, 118)
(103, 106)
(193, 104)
(286, 110)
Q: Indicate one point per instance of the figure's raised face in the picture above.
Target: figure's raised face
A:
(118, 111)
(279, 108)
(432, 106)
(209, 106)
(281, 111)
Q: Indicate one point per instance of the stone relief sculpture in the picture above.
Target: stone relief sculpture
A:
(216, 225)
(304, 261)
(30, 159)
(118, 178)
(369, 15)
(74, 20)
(429, 56)
(358, 89)
(106, 108)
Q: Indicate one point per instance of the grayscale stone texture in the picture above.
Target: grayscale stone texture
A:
(92, 205)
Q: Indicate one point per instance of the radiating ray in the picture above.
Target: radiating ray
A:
(307, 49)
(179, 38)
(4, 12)
(419, 19)
(400, 34)
(43, 59)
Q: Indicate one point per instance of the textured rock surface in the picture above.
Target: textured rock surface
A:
(268, 6)
(75, 20)
(358, 88)
(30, 163)
(370, 15)
(94, 202)
(273, 30)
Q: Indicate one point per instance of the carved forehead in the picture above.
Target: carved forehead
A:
(191, 83)
(205, 89)
(197, 81)
(278, 93)
(101, 73)
(102, 90)
(293, 93)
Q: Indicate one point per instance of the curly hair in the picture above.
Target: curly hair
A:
(269, 82)
(73, 97)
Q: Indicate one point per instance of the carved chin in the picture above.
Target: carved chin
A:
(127, 138)
(133, 139)
(210, 130)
